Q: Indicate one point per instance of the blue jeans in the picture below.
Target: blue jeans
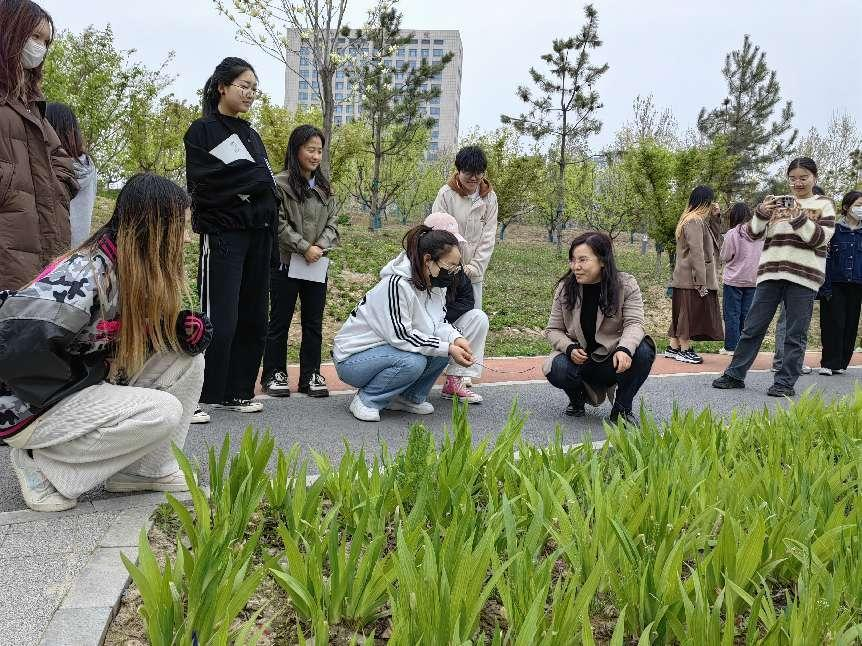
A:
(736, 303)
(384, 372)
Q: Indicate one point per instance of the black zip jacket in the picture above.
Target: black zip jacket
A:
(234, 196)
(464, 299)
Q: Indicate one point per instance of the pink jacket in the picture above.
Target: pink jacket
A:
(741, 257)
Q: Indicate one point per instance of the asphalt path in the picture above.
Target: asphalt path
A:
(324, 424)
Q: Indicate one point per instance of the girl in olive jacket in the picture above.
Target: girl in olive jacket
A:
(306, 233)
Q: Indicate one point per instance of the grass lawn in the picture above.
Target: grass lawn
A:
(518, 289)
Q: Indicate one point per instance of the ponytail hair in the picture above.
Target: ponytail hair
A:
(421, 240)
(225, 73)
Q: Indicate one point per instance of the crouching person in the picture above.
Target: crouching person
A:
(100, 367)
(397, 342)
(462, 313)
(596, 331)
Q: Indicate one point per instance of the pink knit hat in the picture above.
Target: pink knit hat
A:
(444, 222)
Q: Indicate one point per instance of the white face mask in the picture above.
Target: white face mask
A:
(856, 213)
(33, 54)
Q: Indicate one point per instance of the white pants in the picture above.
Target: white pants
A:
(91, 435)
(478, 288)
(474, 327)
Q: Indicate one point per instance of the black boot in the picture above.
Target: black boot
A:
(576, 407)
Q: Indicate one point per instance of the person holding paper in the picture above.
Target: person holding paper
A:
(306, 232)
(397, 341)
(234, 209)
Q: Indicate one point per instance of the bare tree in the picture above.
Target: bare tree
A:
(318, 23)
(833, 151)
(648, 123)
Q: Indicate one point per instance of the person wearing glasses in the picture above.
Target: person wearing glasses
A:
(596, 329)
(235, 210)
(470, 199)
(397, 341)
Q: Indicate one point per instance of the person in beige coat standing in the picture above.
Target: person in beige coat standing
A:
(695, 311)
(470, 199)
(596, 329)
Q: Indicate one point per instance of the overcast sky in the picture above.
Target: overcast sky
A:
(673, 49)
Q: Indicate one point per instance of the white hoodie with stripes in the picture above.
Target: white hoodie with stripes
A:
(396, 313)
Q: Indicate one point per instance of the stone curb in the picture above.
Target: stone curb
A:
(90, 604)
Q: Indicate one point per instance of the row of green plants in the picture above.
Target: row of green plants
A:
(702, 530)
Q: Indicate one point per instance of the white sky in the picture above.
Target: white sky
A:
(673, 49)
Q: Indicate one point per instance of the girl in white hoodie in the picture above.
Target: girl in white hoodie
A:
(396, 343)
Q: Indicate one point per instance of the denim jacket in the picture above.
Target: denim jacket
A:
(844, 262)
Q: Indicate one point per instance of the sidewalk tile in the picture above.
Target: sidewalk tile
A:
(102, 580)
(56, 536)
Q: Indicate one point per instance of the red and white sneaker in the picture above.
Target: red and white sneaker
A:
(455, 387)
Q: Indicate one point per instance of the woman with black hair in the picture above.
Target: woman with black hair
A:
(36, 177)
(695, 311)
(841, 294)
(306, 232)
(397, 341)
(65, 123)
(741, 257)
(596, 328)
(795, 230)
(234, 209)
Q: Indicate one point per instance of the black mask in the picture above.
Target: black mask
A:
(443, 279)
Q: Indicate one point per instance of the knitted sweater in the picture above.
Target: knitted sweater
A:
(795, 250)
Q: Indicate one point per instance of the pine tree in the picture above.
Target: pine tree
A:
(566, 103)
(743, 119)
(392, 101)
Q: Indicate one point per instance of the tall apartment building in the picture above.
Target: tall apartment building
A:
(299, 89)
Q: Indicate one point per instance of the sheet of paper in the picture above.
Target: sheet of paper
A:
(303, 270)
(231, 150)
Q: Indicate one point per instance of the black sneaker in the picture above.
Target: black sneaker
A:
(625, 416)
(671, 353)
(726, 382)
(277, 385)
(777, 390)
(689, 356)
(240, 406)
(315, 386)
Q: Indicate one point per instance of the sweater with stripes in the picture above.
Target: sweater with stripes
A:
(395, 313)
(795, 249)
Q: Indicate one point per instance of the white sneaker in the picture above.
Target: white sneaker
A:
(200, 416)
(240, 405)
(399, 403)
(126, 482)
(825, 371)
(38, 492)
(362, 412)
(840, 371)
(806, 370)
(725, 351)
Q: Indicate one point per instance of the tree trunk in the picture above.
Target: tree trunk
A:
(561, 190)
(328, 111)
(375, 179)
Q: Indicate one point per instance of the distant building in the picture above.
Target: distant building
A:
(299, 90)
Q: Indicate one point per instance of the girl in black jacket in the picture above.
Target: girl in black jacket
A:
(234, 209)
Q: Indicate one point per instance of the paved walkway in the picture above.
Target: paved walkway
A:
(60, 574)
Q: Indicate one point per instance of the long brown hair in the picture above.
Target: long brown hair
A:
(148, 225)
(19, 18)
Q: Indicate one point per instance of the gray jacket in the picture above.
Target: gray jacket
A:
(81, 206)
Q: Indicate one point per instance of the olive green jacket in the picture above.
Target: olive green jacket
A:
(302, 223)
